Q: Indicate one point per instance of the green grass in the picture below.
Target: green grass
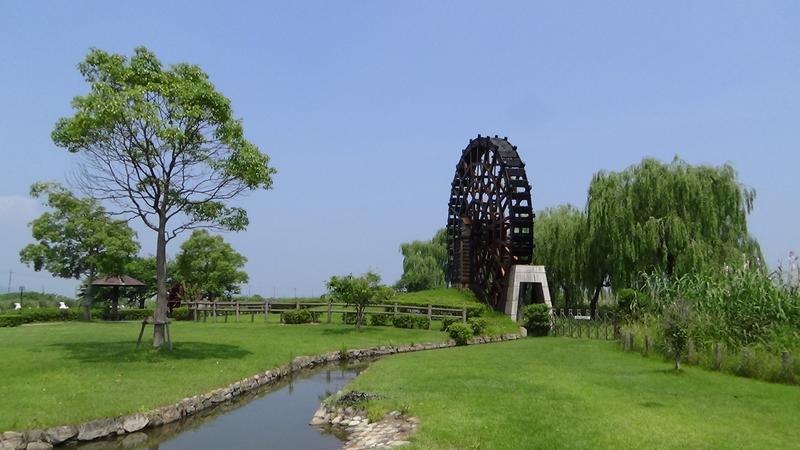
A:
(569, 393)
(61, 373)
(455, 298)
(33, 300)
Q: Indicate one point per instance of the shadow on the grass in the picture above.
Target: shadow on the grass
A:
(126, 351)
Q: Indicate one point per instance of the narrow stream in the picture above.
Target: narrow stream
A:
(275, 418)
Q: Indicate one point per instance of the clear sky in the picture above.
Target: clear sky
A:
(365, 106)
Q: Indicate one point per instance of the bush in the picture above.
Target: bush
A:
(537, 319)
(295, 316)
(422, 322)
(127, 314)
(479, 325)
(476, 310)
(38, 315)
(379, 320)
(181, 313)
(460, 332)
(403, 321)
(449, 320)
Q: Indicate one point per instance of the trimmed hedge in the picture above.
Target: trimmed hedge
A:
(460, 332)
(181, 313)
(296, 316)
(403, 321)
(38, 315)
(479, 325)
(447, 321)
(380, 320)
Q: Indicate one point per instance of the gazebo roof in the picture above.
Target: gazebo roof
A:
(122, 280)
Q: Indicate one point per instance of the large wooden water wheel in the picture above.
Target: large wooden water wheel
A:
(490, 218)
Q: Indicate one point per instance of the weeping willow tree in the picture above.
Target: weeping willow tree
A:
(669, 219)
(562, 242)
(424, 263)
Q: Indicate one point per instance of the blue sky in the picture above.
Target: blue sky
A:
(364, 108)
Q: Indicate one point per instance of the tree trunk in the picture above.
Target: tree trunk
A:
(595, 298)
(87, 304)
(160, 315)
(678, 362)
(359, 316)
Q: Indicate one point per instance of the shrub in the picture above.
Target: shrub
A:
(449, 320)
(422, 322)
(476, 310)
(38, 315)
(295, 316)
(403, 321)
(537, 319)
(379, 320)
(181, 313)
(676, 322)
(460, 332)
(479, 325)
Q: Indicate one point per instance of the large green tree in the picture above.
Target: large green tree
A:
(209, 266)
(76, 238)
(162, 144)
(669, 219)
(424, 263)
(562, 242)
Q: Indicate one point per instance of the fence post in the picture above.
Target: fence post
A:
(717, 355)
(646, 345)
(214, 311)
(464, 315)
(237, 311)
(330, 309)
(194, 313)
(297, 304)
(395, 310)
(430, 316)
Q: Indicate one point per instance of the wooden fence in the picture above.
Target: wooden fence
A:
(581, 324)
(214, 310)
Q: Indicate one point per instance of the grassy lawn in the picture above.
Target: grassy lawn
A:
(60, 373)
(453, 298)
(569, 393)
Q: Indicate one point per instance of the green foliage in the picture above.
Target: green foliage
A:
(404, 321)
(129, 314)
(295, 316)
(477, 310)
(358, 292)
(424, 264)
(460, 332)
(537, 319)
(562, 242)
(380, 320)
(163, 144)
(422, 322)
(444, 297)
(677, 321)
(181, 313)
(210, 266)
(479, 325)
(349, 318)
(13, 319)
(76, 238)
(447, 321)
(669, 219)
(32, 299)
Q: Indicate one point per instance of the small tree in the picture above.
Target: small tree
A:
(77, 239)
(210, 265)
(676, 322)
(358, 292)
(424, 263)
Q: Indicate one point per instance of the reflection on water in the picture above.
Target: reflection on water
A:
(276, 418)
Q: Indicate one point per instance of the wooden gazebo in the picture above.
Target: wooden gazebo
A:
(117, 282)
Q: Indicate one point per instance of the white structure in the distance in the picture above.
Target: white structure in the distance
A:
(526, 285)
(62, 305)
(17, 306)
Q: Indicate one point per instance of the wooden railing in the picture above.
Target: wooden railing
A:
(214, 310)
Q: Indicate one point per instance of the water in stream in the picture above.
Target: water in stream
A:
(276, 418)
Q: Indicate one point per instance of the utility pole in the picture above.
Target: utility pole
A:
(273, 293)
(295, 292)
(10, 272)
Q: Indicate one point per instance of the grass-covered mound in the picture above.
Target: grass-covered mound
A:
(568, 393)
(60, 373)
